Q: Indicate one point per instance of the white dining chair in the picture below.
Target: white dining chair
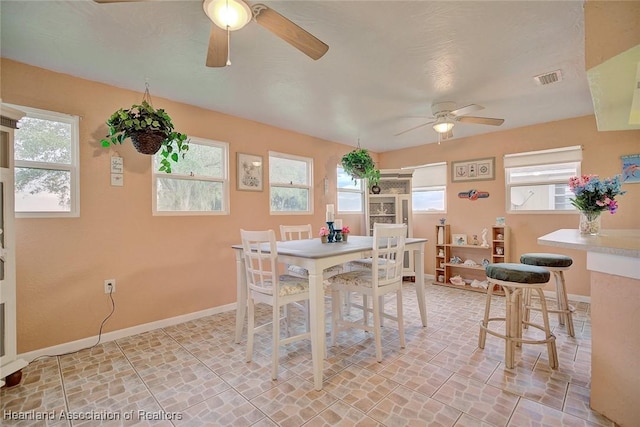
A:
(266, 285)
(384, 276)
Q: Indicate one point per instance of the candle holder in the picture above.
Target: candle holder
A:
(332, 232)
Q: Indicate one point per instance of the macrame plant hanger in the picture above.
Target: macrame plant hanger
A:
(147, 96)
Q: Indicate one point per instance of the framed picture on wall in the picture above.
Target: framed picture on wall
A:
(473, 170)
(249, 170)
(631, 168)
(459, 239)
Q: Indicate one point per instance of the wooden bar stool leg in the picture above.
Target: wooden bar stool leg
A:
(526, 311)
(551, 339)
(512, 325)
(563, 303)
(485, 320)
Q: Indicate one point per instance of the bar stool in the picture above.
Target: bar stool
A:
(514, 279)
(556, 264)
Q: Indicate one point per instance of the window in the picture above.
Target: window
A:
(290, 183)
(429, 188)
(538, 181)
(198, 184)
(350, 192)
(46, 164)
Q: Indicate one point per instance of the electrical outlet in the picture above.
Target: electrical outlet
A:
(110, 286)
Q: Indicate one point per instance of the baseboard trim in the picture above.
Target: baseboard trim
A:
(122, 333)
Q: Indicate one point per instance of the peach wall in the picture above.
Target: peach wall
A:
(601, 155)
(164, 266)
(169, 266)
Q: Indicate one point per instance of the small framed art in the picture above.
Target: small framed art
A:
(473, 170)
(249, 169)
(459, 239)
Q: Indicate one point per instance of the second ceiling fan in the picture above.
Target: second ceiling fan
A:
(445, 115)
(231, 15)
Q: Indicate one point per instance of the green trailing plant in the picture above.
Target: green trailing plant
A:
(358, 164)
(142, 118)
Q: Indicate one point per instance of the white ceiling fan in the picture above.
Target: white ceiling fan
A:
(445, 115)
(231, 15)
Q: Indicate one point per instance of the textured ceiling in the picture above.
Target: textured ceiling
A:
(388, 61)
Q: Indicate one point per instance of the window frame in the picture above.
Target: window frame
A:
(73, 167)
(350, 190)
(309, 186)
(439, 184)
(156, 174)
(570, 156)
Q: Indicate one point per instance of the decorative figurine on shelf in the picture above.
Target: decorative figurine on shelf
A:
(500, 236)
(475, 241)
(455, 260)
(485, 262)
(485, 244)
(441, 252)
(499, 250)
(442, 221)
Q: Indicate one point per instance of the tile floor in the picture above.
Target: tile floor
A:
(194, 374)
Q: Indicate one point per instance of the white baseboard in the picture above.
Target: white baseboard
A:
(122, 333)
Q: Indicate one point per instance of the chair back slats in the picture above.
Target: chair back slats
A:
(261, 260)
(388, 253)
(296, 232)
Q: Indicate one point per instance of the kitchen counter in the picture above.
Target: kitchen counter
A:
(613, 262)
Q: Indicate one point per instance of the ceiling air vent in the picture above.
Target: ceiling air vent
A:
(548, 78)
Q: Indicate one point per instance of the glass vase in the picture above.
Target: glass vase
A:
(590, 223)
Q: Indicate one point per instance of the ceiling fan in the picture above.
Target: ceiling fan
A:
(445, 115)
(231, 15)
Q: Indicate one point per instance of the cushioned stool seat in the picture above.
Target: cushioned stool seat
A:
(514, 279)
(555, 263)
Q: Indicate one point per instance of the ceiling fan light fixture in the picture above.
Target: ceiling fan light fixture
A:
(442, 125)
(233, 14)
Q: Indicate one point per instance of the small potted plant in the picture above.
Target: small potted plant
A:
(345, 233)
(149, 130)
(324, 234)
(359, 165)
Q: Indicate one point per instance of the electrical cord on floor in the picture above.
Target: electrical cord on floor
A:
(113, 309)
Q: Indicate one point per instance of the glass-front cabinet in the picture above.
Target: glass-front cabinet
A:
(10, 365)
(391, 204)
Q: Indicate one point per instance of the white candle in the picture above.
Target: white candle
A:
(330, 213)
(337, 224)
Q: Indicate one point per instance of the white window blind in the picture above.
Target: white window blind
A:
(544, 157)
(431, 175)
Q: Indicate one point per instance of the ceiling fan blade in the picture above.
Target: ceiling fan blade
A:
(467, 109)
(413, 128)
(480, 120)
(289, 32)
(218, 51)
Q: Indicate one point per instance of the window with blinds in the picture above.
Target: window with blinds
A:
(429, 188)
(538, 181)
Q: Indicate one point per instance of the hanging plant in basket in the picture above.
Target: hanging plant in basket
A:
(358, 164)
(149, 130)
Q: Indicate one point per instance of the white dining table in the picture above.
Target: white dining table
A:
(316, 256)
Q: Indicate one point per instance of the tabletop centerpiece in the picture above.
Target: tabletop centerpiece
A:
(593, 196)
